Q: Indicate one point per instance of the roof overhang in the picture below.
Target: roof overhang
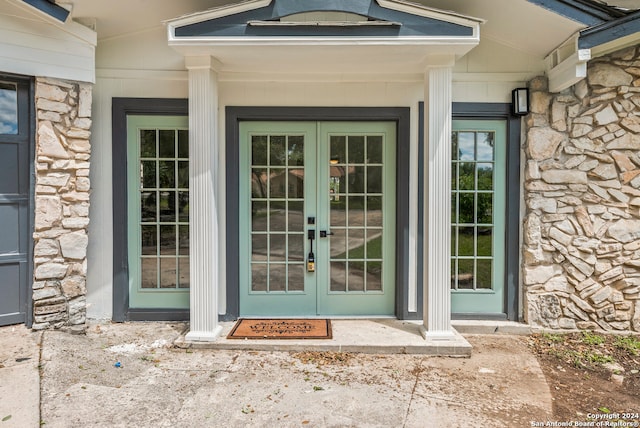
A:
(393, 36)
(612, 35)
(608, 30)
(50, 9)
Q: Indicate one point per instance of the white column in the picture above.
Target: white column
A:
(203, 199)
(437, 205)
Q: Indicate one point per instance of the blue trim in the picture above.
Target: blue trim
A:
(50, 8)
(400, 115)
(493, 111)
(609, 31)
(421, 195)
(236, 25)
(584, 11)
(120, 109)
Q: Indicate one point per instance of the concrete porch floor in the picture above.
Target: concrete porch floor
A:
(371, 336)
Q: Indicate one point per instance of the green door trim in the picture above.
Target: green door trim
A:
(339, 302)
(278, 303)
(138, 297)
(487, 300)
(400, 115)
(317, 299)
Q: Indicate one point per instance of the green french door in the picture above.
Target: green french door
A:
(158, 211)
(330, 181)
(478, 184)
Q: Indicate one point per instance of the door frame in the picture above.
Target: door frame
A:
(27, 132)
(120, 109)
(400, 115)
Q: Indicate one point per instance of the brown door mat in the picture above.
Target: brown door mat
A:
(281, 329)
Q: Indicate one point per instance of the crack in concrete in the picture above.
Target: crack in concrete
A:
(418, 370)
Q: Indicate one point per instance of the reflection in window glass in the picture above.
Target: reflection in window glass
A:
(8, 108)
(278, 261)
(472, 200)
(466, 143)
(164, 208)
(356, 192)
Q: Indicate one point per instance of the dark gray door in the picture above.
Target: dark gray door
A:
(15, 215)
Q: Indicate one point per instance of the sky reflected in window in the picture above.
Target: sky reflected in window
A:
(8, 109)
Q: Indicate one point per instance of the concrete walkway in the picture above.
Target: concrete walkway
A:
(159, 385)
(19, 377)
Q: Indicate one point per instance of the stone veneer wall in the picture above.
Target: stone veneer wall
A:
(581, 256)
(63, 150)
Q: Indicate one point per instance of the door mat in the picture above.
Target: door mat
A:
(281, 329)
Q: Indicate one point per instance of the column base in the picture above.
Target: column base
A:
(438, 335)
(203, 336)
(447, 342)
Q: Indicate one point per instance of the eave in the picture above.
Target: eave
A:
(395, 38)
(609, 30)
(49, 8)
(586, 12)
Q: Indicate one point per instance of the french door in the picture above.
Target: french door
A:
(317, 218)
(478, 216)
(158, 211)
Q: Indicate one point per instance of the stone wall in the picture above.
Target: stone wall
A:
(63, 150)
(581, 255)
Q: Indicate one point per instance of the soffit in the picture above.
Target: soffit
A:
(517, 24)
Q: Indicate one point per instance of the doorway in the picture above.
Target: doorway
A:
(16, 207)
(478, 216)
(317, 226)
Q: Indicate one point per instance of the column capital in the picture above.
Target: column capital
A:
(440, 61)
(202, 62)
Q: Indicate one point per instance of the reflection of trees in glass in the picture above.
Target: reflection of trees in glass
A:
(258, 183)
(295, 152)
(276, 150)
(455, 154)
(473, 206)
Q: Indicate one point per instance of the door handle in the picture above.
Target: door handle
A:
(311, 258)
(324, 233)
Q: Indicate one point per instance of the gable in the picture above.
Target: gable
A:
(278, 19)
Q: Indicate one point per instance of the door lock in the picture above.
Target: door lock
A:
(324, 233)
(311, 258)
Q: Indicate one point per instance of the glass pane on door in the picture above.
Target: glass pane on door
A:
(158, 211)
(8, 108)
(164, 201)
(356, 198)
(277, 179)
(477, 215)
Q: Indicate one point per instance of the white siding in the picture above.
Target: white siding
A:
(32, 46)
(490, 71)
(143, 50)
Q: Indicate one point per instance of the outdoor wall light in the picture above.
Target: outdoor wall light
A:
(520, 101)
